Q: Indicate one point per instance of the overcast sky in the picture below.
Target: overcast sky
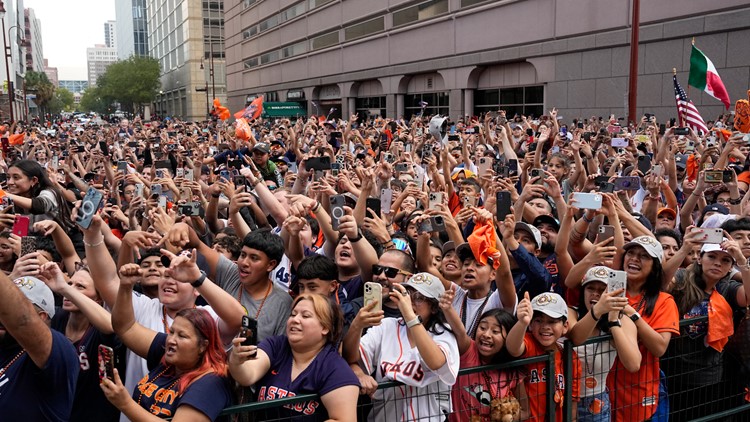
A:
(68, 28)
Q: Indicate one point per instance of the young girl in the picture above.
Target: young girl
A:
(478, 396)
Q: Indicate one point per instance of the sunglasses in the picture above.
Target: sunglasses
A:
(79, 266)
(390, 272)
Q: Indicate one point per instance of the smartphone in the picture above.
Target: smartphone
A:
(644, 164)
(606, 187)
(681, 131)
(28, 245)
(627, 183)
(21, 225)
(503, 204)
(662, 129)
(513, 168)
(180, 172)
(186, 194)
(89, 207)
(438, 223)
(335, 168)
(373, 293)
(727, 175)
(425, 226)
(189, 175)
(619, 142)
(55, 162)
(249, 331)
(658, 170)
(337, 210)
(485, 163)
(162, 201)
(138, 190)
(122, 167)
(402, 167)
(470, 201)
(713, 176)
(156, 189)
(103, 148)
(435, 199)
(374, 205)
(711, 235)
(617, 280)
(318, 163)
(386, 200)
(588, 201)
(5, 145)
(106, 362)
(605, 232)
(538, 173)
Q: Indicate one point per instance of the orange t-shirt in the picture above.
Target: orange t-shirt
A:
(635, 396)
(454, 204)
(536, 380)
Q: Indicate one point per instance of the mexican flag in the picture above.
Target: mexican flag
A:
(703, 75)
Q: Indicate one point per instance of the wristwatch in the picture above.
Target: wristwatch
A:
(199, 282)
(635, 317)
(415, 321)
(615, 323)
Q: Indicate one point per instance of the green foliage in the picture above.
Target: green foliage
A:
(130, 82)
(38, 84)
(91, 100)
(63, 100)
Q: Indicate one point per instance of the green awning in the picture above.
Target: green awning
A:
(283, 109)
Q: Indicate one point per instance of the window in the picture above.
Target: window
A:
(249, 32)
(366, 105)
(294, 49)
(527, 100)
(269, 57)
(437, 103)
(364, 28)
(317, 3)
(468, 3)
(248, 3)
(420, 12)
(326, 40)
(268, 23)
(249, 63)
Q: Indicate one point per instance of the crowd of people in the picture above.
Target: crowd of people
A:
(170, 269)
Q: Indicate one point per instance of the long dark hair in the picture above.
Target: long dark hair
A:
(602, 325)
(506, 320)
(690, 291)
(652, 286)
(32, 169)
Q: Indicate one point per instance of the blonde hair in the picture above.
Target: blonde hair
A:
(328, 313)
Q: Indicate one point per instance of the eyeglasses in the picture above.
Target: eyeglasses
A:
(390, 272)
(80, 266)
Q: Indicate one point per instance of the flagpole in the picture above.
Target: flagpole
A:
(692, 44)
(679, 115)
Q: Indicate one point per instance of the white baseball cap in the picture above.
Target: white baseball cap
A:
(533, 231)
(437, 128)
(38, 293)
(714, 247)
(597, 273)
(426, 284)
(650, 244)
(551, 304)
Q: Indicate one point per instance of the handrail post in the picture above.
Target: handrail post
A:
(568, 374)
(551, 387)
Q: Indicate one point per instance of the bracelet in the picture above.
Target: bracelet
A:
(733, 201)
(199, 282)
(316, 207)
(586, 220)
(593, 315)
(653, 197)
(356, 239)
(90, 245)
(615, 323)
(213, 195)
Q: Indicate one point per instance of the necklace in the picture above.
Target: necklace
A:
(164, 318)
(167, 368)
(472, 328)
(12, 361)
(262, 302)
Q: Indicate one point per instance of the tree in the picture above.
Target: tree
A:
(62, 101)
(130, 82)
(91, 100)
(39, 84)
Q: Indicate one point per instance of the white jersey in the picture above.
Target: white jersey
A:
(150, 314)
(474, 307)
(385, 350)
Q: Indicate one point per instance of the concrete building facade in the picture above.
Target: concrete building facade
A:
(98, 59)
(187, 37)
(110, 34)
(33, 37)
(14, 19)
(52, 74)
(132, 34)
(464, 57)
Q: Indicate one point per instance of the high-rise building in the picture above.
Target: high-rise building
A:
(14, 18)
(110, 34)
(51, 74)
(188, 41)
(99, 58)
(465, 57)
(33, 37)
(132, 35)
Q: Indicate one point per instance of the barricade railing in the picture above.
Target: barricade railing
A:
(736, 380)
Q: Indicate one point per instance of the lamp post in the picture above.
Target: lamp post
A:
(211, 66)
(208, 111)
(7, 65)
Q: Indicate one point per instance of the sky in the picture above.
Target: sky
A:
(68, 28)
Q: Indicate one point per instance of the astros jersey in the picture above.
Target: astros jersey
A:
(386, 354)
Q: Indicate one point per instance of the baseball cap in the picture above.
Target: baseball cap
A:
(714, 247)
(643, 220)
(262, 147)
(533, 231)
(281, 158)
(448, 246)
(330, 123)
(547, 219)
(277, 142)
(597, 273)
(681, 160)
(667, 210)
(650, 244)
(426, 284)
(38, 293)
(551, 304)
(721, 209)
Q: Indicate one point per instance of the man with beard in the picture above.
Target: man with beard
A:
(548, 227)
(38, 365)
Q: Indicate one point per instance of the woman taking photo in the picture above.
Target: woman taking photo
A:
(34, 193)
(418, 350)
(303, 361)
(635, 396)
(187, 367)
(696, 358)
(598, 313)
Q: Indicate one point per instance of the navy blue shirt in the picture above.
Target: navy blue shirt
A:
(530, 275)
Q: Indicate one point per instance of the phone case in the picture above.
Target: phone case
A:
(337, 210)
(503, 204)
(588, 201)
(485, 163)
(249, 331)
(374, 205)
(435, 199)
(21, 226)
(605, 232)
(712, 235)
(106, 362)
(89, 206)
(386, 199)
(627, 183)
(374, 293)
(617, 280)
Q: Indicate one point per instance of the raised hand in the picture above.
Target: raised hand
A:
(182, 267)
(524, 311)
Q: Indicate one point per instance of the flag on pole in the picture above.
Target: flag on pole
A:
(703, 75)
(253, 111)
(688, 114)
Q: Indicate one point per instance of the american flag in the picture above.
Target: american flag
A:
(686, 110)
